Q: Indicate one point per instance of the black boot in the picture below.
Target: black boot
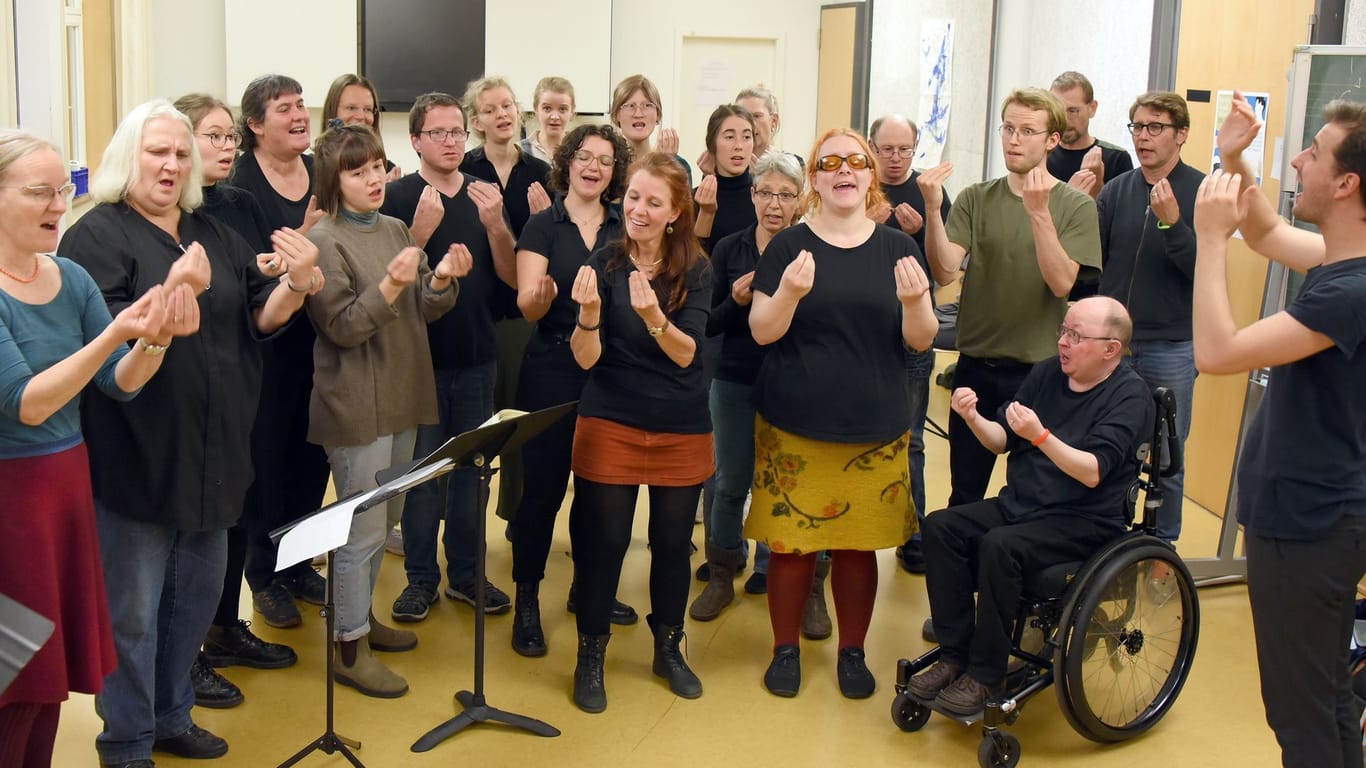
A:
(669, 663)
(590, 694)
(527, 637)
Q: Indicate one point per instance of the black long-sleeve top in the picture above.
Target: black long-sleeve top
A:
(741, 356)
(734, 208)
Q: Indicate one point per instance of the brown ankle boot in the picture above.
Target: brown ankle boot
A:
(390, 639)
(815, 618)
(356, 666)
(720, 590)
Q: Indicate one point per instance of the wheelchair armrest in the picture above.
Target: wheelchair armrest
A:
(1166, 416)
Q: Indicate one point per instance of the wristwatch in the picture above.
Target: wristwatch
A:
(659, 329)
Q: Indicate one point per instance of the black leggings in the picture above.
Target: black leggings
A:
(600, 532)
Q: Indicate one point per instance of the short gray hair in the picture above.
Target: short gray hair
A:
(120, 170)
(15, 145)
(758, 91)
(781, 163)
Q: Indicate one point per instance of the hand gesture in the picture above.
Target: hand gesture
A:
(963, 401)
(536, 198)
(585, 294)
(430, 211)
(1219, 208)
(1023, 421)
(316, 281)
(1036, 190)
(1094, 162)
(931, 185)
(545, 291)
(668, 141)
(644, 301)
(312, 215)
(740, 289)
(1085, 181)
(799, 276)
(909, 218)
(455, 264)
(402, 268)
(879, 213)
(1163, 202)
(395, 173)
(1240, 128)
(706, 194)
(270, 264)
(192, 269)
(706, 163)
(297, 254)
(183, 309)
(911, 282)
(489, 201)
(143, 318)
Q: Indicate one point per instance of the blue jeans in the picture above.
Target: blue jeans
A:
(1170, 364)
(919, 368)
(163, 587)
(464, 397)
(355, 567)
(732, 421)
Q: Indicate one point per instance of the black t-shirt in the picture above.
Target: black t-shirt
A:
(734, 208)
(839, 373)
(1304, 460)
(1063, 163)
(734, 256)
(634, 382)
(526, 171)
(179, 454)
(908, 191)
(238, 208)
(464, 336)
(552, 234)
(1111, 420)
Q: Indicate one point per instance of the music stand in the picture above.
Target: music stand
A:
(23, 632)
(477, 448)
(321, 531)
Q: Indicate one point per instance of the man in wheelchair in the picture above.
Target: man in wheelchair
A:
(1073, 435)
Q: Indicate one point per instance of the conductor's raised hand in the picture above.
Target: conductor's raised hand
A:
(911, 282)
(931, 184)
(585, 292)
(963, 401)
(799, 276)
(457, 263)
(403, 267)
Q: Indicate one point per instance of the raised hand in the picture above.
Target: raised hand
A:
(911, 282)
(395, 174)
(192, 268)
(143, 318)
(1240, 127)
(457, 263)
(644, 300)
(909, 218)
(706, 194)
(1023, 421)
(931, 185)
(585, 294)
(706, 163)
(312, 215)
(1085, 181)
(1035, 192)
(799, 276)
(880, 212)
(545, 291)
(298, 256)
(489, 201)
(963, 401)
(536, 198)
(430, 211)
(1094, 162)
(270, 264)
(1219, 207)
(403, 267)
(668, 141)
(183, 309)
(1163, 202)
(740, 289)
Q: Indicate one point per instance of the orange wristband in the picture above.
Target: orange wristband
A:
(1042, 438)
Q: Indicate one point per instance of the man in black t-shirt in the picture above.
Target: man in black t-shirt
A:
(1072, 434)
(1085, 162)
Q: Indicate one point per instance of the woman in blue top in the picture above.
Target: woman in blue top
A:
(56, 336)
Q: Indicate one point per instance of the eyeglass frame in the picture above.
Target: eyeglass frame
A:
(1076, 338)
(889, 152)
(643, 107)
(218, 140)
(766, 197)
(45, 193)
(1007, 132)
(456, 134)
(844, 160)
(583, 156)
(1137, 129)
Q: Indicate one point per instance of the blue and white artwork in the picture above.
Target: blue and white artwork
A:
(936, 59)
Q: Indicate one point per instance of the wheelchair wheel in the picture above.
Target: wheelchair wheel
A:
(909, 714)
(998, 750)
(1127, 641)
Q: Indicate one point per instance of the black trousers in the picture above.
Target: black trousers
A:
(970, 464)
(1303, 596)
(550, 376)
(974, 548)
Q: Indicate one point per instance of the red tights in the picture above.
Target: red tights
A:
(853, 585)
(27, 734)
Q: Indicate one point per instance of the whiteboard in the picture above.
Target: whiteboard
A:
(526, 40)
(311, 42)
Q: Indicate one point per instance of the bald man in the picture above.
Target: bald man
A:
(1072, 436)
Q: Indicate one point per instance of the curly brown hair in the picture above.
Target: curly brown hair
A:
(621, 154)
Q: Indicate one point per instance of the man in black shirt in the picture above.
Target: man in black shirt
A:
(894, 139)
(1084, 161)
(445, 207)
(1072, 435)
(1147, 241)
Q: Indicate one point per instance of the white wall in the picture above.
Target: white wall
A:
(1039, 39)
(1354, 23)
(190, 52)
(37, 49)
(895, 77)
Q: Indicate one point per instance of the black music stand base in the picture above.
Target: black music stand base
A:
(478, 711)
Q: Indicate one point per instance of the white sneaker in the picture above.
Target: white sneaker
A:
(393, 543)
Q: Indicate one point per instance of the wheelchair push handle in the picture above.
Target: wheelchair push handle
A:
(1166, 416)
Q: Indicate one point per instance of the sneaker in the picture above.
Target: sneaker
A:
(784, 675)
(211, 689)
(236, 645)
(393, 543)
(966, 696)
(856, 681)
(276, 606)
(412, 603)
(308, 585)
(757, 584)
(495, 600)
(911, 557)
(195, 744)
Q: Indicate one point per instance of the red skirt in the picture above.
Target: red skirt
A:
(615, 454)
(50, 563)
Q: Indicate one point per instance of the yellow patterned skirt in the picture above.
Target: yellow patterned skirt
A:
(811, 495)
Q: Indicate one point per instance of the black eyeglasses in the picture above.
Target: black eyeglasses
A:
(439, 136)
(1073, 337)
(1152, 129)
(221, 140)
(857, 162)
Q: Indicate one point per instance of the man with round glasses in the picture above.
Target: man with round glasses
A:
(1026, 237)
(1147, 241)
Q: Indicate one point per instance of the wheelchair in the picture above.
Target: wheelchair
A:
(1116, 633)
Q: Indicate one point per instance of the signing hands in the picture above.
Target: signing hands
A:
(644, 300)
(706, 194)
(909, 218)
(312, 215)
(457, 262)
(931, 185)
(740, 289)
(430, 211)
(911, 282)
(146, 317)
(489, 201)
(536, 198)
(585, 294)
(402, 269)
(1023, 421)
(192, 268)
(1219, 207)
(668, 141)
(1240, 128)
(799, 276)
(297, 258)
(1163, 202)
(1035, 192)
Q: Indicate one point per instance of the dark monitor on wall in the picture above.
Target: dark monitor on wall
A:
(412, 47)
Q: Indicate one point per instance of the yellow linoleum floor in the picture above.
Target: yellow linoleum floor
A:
(1218, 720)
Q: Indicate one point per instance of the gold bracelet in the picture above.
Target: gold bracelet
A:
(151, 349)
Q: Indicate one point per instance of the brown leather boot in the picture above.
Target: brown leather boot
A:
(720, 590)
(356, 666)
(390, 639)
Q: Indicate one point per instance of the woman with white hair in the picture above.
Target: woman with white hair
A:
(170, 469)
